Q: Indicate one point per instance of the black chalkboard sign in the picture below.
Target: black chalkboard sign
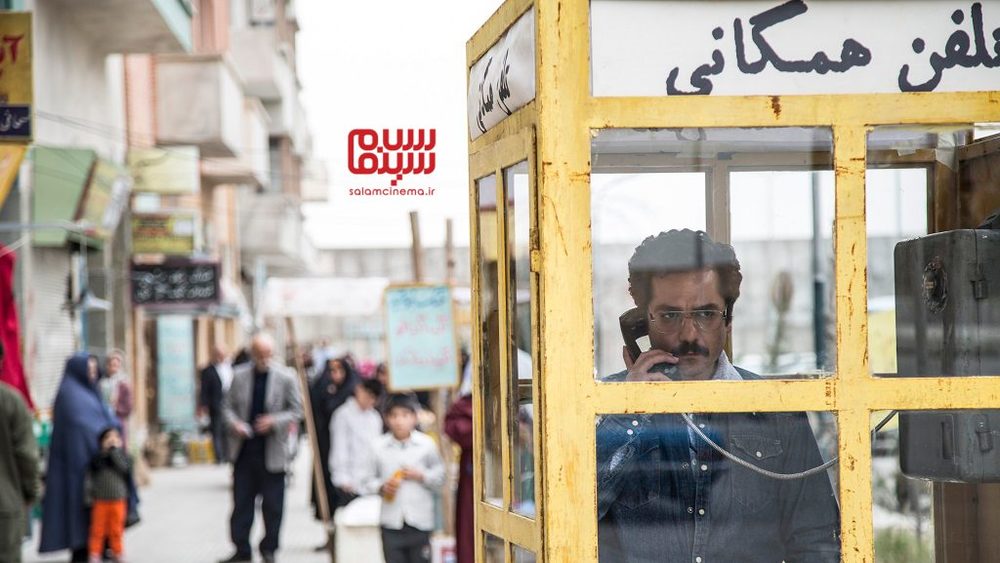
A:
(175, 283)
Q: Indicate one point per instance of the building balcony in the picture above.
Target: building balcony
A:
(288, 119)
(272, 231)
(133, 26)
(253, 166)
(263, 67)
(199, 101)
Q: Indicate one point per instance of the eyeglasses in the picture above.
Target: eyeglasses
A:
(668, 322)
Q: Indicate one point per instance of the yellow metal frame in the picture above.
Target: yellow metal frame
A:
(567, 399)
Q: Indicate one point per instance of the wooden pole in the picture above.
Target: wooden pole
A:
(318, 482)
(416, 252)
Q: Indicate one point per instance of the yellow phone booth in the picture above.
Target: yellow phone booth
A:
(736, 285)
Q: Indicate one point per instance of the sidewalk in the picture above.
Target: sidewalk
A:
(185, 519)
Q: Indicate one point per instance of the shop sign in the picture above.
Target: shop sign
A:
(104, 199)
(678, 47)
(157, 233)
(503, 80)
(16, 94)
(177, 282)
(167, 170)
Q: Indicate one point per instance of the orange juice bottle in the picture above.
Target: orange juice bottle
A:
(396, 478)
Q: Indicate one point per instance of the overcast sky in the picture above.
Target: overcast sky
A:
(392, 64)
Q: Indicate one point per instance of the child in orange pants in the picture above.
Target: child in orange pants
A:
(109, 490)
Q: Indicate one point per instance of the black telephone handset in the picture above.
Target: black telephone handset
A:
(635, 325)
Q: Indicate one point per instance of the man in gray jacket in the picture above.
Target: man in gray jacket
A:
(262, 403)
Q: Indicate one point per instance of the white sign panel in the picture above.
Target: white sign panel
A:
(503, 80)
(323, 297)
(677, 47)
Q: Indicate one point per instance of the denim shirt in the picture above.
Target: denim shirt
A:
(662, 497)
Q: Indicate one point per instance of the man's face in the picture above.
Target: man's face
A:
(261, 351)
(114, 364)
(698, 350)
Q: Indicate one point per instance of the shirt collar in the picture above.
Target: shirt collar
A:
(725, 371)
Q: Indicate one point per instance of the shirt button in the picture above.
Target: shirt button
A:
(702, 425)
(629, 432)
(690, 510)
(704, 467)
(701, 511)
(697, 560)
(684, 466)
(635, 423)
(759, 454)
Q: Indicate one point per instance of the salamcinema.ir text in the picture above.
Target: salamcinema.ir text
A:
(390, 191)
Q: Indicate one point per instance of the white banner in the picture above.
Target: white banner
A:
(503, 80)
(678, 47)
(323, 297)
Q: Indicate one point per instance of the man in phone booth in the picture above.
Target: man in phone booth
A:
(703, 488)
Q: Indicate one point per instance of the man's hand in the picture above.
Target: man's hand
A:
(243, 429)
(263, 424)
(640, 370)
(413, 474)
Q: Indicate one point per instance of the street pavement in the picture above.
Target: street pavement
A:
(185, 519)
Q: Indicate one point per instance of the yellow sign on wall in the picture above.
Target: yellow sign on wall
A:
(16, 91)
(10, 163)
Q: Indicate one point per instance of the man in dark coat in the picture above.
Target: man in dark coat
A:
(18, 470)
(215, 380)
(78, 419)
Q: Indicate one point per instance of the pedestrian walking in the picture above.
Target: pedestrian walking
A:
(353, 429)
(18, 470)
(406, 468)
(107, 493)
(262, 403)
(116, 390)
(78, 418)
(216, 379)
(328, 392)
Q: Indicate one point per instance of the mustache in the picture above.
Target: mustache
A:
(686, 348)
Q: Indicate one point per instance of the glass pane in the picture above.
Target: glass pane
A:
(494, 548)
(670, 294)
(935, 475)
(522, 555)
(901, 506)
(519, 211)
(665, 493)
(782, 230)
(490, 345)
(930, 312)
